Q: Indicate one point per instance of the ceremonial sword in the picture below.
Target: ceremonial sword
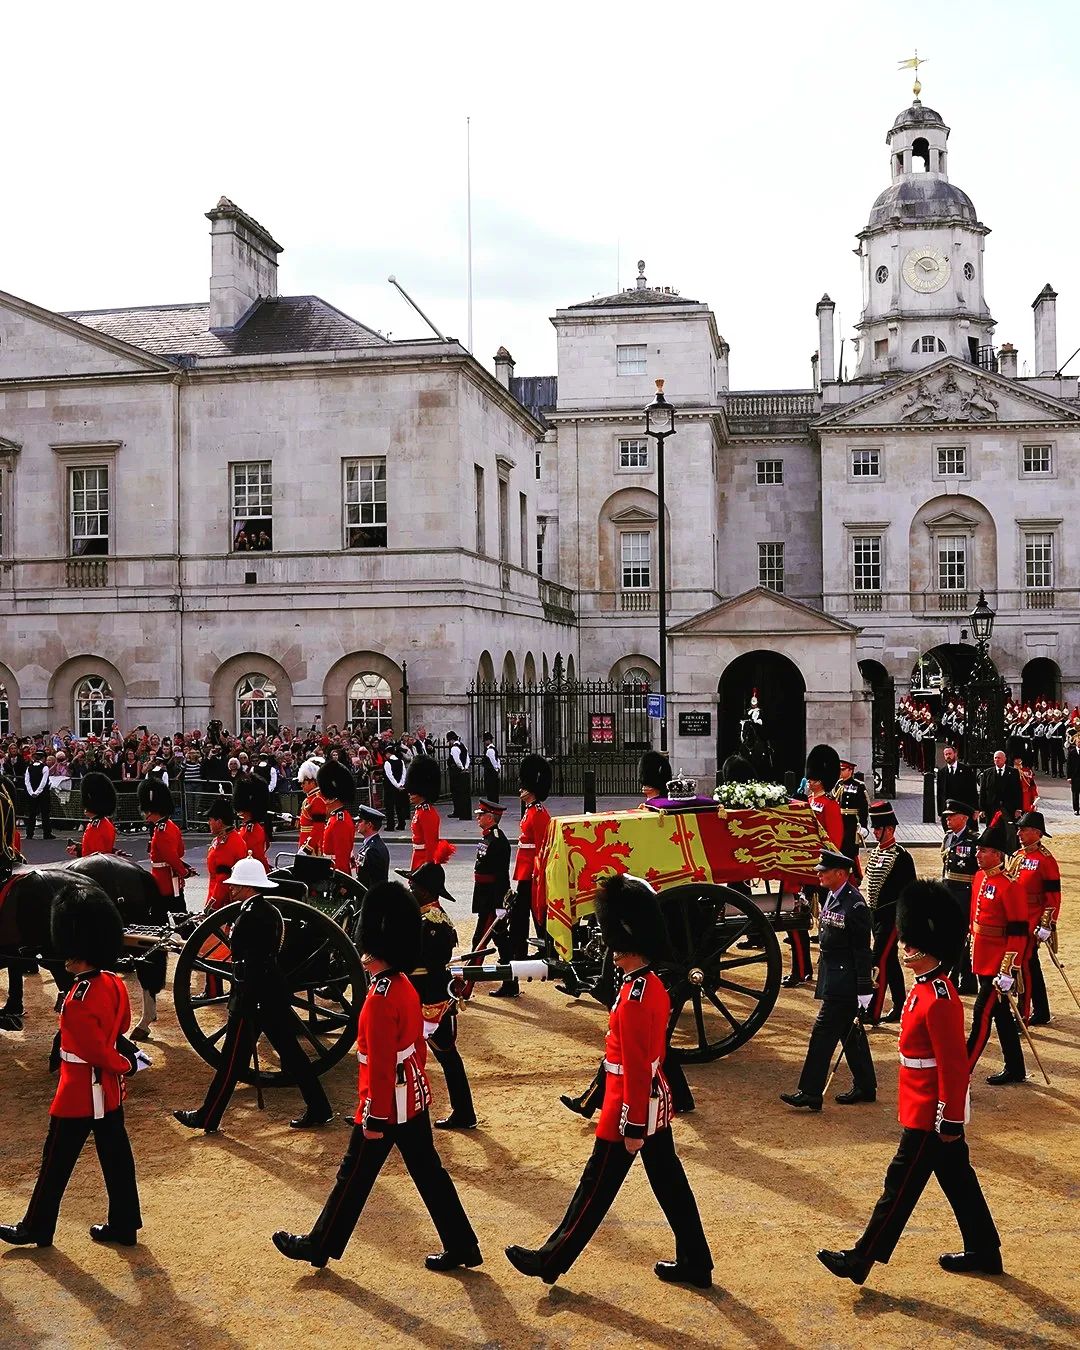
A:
(1006, 965)
(1047, 920)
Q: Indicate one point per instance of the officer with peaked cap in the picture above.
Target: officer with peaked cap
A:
(933, 1101)
(373, 858)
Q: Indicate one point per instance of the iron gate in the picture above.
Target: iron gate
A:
(578, 725)
(885, 747)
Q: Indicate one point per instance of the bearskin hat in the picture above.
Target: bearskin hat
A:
(98, 794)
(534, 775)
(630, 918)
(928, 917)
(823, 765)
(390, 925)
(1018, 748)
(86, 925)
(654, 770)
(423, 779)
(251, 794)
(155, 796)
(736, 769)
(222, 809)
(994, 835)
(336, 783)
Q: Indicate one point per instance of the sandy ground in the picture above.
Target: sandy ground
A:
(773, 1186)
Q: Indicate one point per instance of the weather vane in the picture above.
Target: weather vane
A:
(913, 63)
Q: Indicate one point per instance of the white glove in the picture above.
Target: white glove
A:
(285, 818)
(429, 1027)
(1043, 934)
(865, 1000)
(1004, 983)
(142, 1061)
(500, 913)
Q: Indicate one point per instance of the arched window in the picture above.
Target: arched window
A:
(256, 706)
(636, 687)
(94, 710)
(370, 701)
(5, 711)
(928, 344)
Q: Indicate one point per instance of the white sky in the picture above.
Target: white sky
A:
(737, 149)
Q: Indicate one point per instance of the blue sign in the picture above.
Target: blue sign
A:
(655, 708)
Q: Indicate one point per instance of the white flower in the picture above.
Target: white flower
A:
(751, 796)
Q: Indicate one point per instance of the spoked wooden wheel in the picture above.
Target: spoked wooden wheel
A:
(725, 975)
(321, 968)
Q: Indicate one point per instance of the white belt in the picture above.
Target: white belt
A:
(618, 1070)
(97, 1092)
(402, 1055)
(909, 1063)
(69, 1058)
(166, 865)
(520, 846)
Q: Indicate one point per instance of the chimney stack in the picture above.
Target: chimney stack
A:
(826, 340)
(1045, 307)
(243, 264)
(1007, 360)
(504, 367)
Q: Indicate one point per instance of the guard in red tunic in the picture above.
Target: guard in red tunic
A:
(99, 803)
(251, 801)
(166, 846)
(1035, 871)
(226, 849)
(94, 1060)
(822, 775)
(422, 783)
(933, 1100)
(394, 1097)
(339, 835)
(636, 1115)
(313, 810)
(999, 936)
(535, 787)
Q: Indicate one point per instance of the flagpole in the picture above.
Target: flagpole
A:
(468, 219)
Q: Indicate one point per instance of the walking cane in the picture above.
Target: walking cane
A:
(843, 1048)
(1006, 966)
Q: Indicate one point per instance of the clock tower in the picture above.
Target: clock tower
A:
(921, 255)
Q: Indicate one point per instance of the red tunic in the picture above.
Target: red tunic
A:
(225, 851)
(1029, 790)
(426, 824)
(829, 817)
(255, 843)
(1035, 873)
(313, 815)
(339, 839)
(637, 1101)
(999, 921)
(932, 1028)
(95, 1012)
(532, 833)
(392, 1052)
(98, 836)
(167, 858)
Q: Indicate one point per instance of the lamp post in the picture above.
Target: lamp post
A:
(660, 424)
(984, 703)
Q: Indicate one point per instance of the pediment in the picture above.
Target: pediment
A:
(37, 343)
(952, 520)
(949, 394)
(634, 515)
(9, 447)
(763, 612)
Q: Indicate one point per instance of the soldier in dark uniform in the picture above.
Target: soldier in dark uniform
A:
(373, 859)
(850, 794)
(933, 1100)
(889, 868)
(959, 864)
(845, 987)
(491, 870)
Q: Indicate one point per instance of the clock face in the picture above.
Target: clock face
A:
(926, 270)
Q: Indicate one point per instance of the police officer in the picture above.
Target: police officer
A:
(850, 794)
(460, 787)
(959, 864)
(889, 868)
(492, 769)
(932, 1107)
(845, 987)
(373, 857)
(491, 870)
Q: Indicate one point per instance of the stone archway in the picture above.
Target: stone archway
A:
(228, 677)
(341, 681)
(68, 675)
(1040, 679)
(781, 694)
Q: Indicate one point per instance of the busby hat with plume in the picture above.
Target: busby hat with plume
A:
(390, 925)
(534, 775)
(628, 911)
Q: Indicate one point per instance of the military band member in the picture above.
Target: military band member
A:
(94, 1061)
(226, 849)
(999, 935)
(338, 788)
(99, 803)
(535, 779)
(438, 938)
(373, 858)
(313, 812)
(491, 870)
(251, 801)
(260, 1004)
(959, 864)
(654, 774)
(822, 775)
(845, 987)
(933, 1102)
(889, 869)
(422, 783)
(636, 1114)
(394, 1097)
(460, 787)
(1035, 871)
(850, 795)
(492, 769)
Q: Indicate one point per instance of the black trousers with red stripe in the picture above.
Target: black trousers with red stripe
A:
(886, 960)
(921, 1155)
(360, 1166)
(604, 1174)
(443, 1043)
(991, 1007)
(1034, 1003)
(63, 1144)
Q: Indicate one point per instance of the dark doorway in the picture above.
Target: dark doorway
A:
(781, 693)
(1040, 678)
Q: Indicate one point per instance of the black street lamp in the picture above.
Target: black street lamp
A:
(984, 697)
(660, 423)
(982, 624)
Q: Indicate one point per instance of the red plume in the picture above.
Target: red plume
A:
(996, 817)
(444, 850)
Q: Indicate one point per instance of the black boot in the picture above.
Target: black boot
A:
(972, 1263)
(298, 1247)
(20, 1236)
(846, 1265)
